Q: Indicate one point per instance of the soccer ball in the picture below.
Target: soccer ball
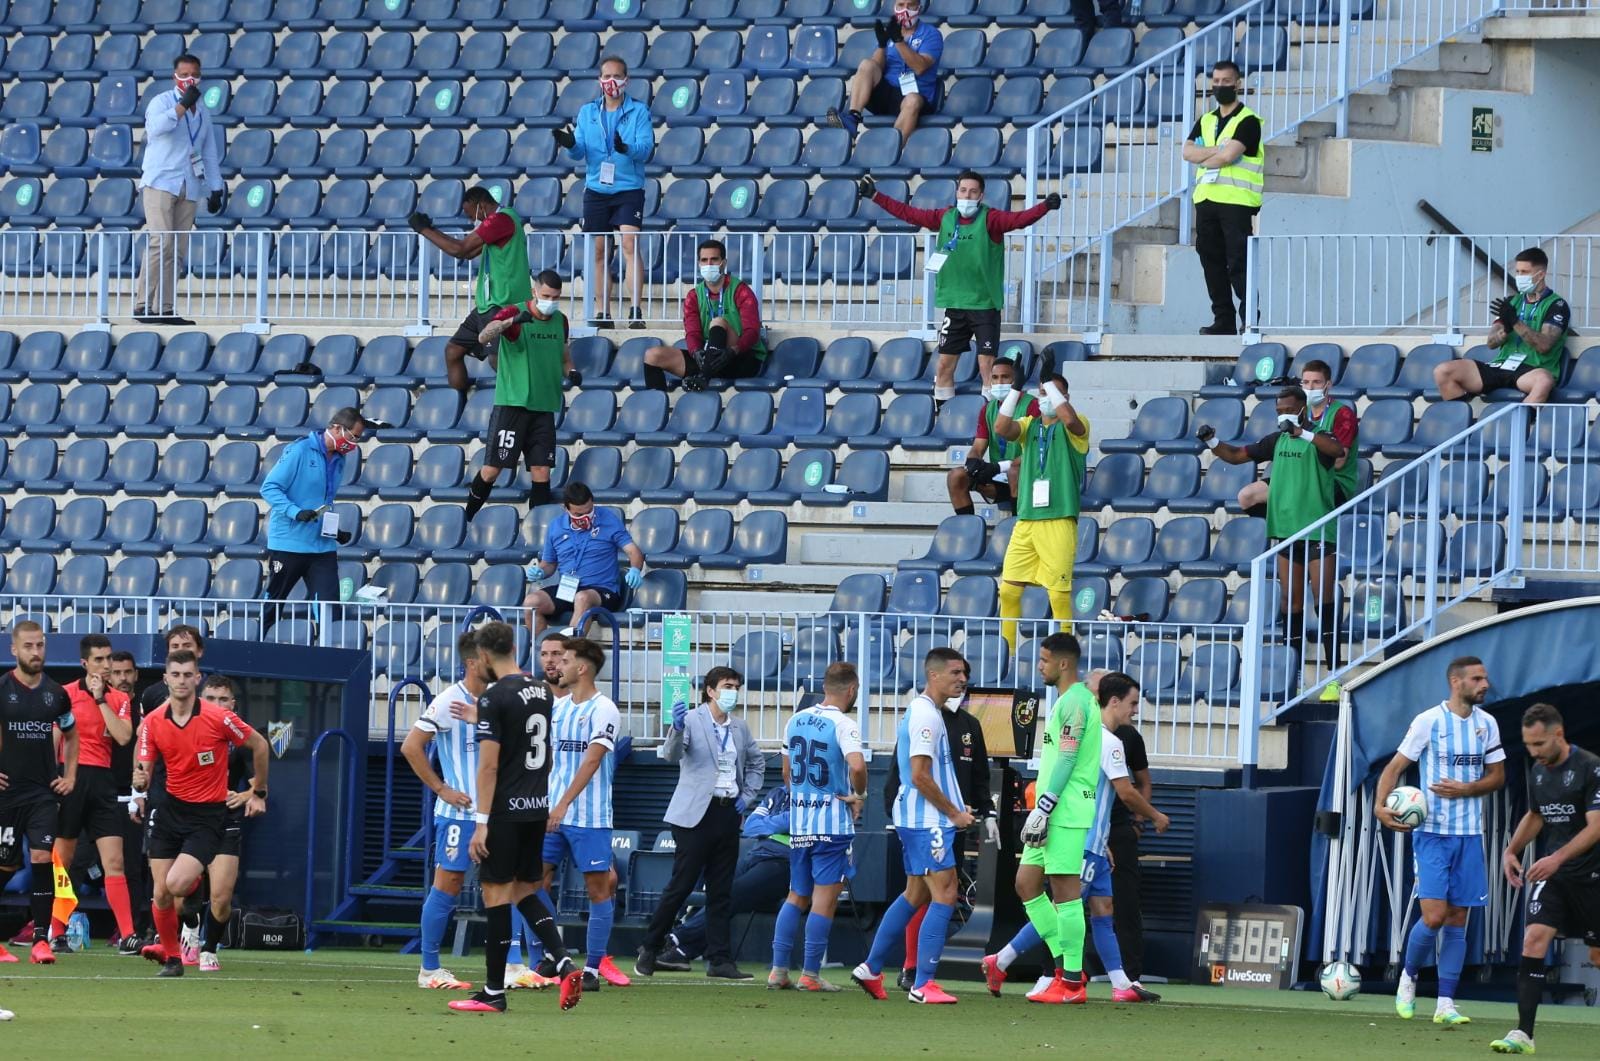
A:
(1340, 981)
(1409, 805)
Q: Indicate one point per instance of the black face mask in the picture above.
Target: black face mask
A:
(1225, 94)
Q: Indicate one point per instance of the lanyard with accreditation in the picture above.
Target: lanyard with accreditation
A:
(1041, 483)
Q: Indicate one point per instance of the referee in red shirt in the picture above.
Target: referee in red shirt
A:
(192, 737)
(104, 718)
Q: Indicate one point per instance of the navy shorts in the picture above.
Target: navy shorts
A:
(603, 212)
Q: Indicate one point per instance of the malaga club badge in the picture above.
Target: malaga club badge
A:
(280, 735)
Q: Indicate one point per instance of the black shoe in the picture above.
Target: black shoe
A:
(172, 967)
(59, 945)
(591, 982)
(603, 323)
(546, 968)
(128, 946)
(174, 321)
(636, 319)
(907, 980)
(694, 381)
(144, 318)
(727, 971)
(645, 963)
(1220, 329)
(673, 960)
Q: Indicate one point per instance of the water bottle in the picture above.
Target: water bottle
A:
(77, 932)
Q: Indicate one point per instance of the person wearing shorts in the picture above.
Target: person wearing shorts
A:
(900, 78)
(968, 261)
(721, 329)
(1053, 449)
(534, 365)
(1528, 336)
(990, 469)
(581, 546)
(503, 274)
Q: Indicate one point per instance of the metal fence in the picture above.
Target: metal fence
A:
(1436, 285)
(1115, 156)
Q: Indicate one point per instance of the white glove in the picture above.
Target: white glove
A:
(1033, 830)
(1005, 468)
(991, 830)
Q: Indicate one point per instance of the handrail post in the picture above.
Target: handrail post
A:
(312, 806)
(424, 322)
(1342, 123)
(263, 256)
(1103, 301)
(388, 758)
(1249, 333)
(1185, 214)
(1250, 676)
(1030, 195)
(102, 286)
(1516, 519)
(1435, 537)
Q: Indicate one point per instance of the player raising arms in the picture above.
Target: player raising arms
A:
(1457, 744)
(1564, 885)
(513, 802)
(192, 737)
(827, 784)
(928, 813)
(586, 724)
(32, 708)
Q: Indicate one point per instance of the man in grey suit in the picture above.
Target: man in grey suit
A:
(720, 776)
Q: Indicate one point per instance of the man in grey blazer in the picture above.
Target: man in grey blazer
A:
(720, 776)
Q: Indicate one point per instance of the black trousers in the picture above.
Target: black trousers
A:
(319, 570)
(1110, 13)
(1126, 886)
(760, 887)
(1221, 239)
(712, 848)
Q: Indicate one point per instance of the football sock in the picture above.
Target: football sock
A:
(1420, 945)
(1530, 990)
(539, 494)
(913, 931)
(1105, 945)
(1258, 511)
(655, 377)
(1452, 956)
(930, 947)
(478, 493)
(717, 337)
(817, 930)
(166, 928)
(1069, 918)
(1042, 916)
(497, 942)
(117, 896)
(214, 931)
(1010, 611)
(599, 938)
(530, 941)
(436, 911)
(1024, 941)
(966, 509)
(890, 930)
(58, 927)
(43, 897)
(543, 924)
(789, 916)
(1061, 605)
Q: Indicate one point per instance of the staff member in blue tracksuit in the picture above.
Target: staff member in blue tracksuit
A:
(302, 529)
(615, 139)
(581, 546)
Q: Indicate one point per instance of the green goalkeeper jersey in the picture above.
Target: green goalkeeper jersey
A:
(1073, 725)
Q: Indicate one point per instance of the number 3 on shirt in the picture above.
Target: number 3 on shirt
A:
(538, 728)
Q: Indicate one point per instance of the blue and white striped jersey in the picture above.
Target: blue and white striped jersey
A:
(1447, 747)
(819, 739)
(574, 725)
(1113, 764)
(921, 732)
(457, 746)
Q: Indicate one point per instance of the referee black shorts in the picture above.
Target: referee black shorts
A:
(232, 833)
(92, 805)
(193, 829)
(516, 852)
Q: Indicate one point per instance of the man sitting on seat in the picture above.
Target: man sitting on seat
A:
(721, 328)
(900, 78)
(1528, 336)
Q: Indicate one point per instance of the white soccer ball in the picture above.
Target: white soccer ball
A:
(1340, 981)
(1409, 805)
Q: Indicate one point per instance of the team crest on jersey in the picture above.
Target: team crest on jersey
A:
(1480, 732)
(206, 758)
(1566, 778)
(966, 738)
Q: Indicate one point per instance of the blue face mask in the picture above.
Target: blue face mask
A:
(728, 699)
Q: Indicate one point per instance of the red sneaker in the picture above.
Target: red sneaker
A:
(571, 988)
(611, 974)
(42, 954)
(155, 952)
(5, 955)
(870, 982)
(931, 994)
(993, 973)
(1077, 991)
(1136, 993)
(1053, 993)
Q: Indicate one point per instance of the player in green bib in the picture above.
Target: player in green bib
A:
(990, 470)
(503, 275)
(721, 329)
(1330, 416)
(1528, 336)
(1303, 456)
(1058, 825)
(527, 392)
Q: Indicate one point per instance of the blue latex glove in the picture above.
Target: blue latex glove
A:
(738, 804)
(533, 572)
(680, 713)
(633, 578)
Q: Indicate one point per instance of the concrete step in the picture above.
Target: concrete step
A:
(732, 600)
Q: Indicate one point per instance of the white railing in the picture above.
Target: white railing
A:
(1437, 285)
(1515, 494)
(1115, 155)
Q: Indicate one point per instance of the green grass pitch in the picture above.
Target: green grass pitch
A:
(365, 1004)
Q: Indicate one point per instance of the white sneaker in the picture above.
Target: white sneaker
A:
(1040, 984)
(189, 946)
(209, 963)
(441, 980)
(6, 1014)
(1516, 1041)
(1405, 997)
(513, 974)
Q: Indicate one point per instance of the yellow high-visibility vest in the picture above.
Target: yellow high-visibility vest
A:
(1242, 182)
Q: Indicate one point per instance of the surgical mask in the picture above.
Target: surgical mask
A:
(1287, 421)
(613, 86)
(1315, 397)
(1524, 283)
(546, 306)
(952, 702)
(583, 522)
(1047, 405)
(907, 19)
(999, 391)
(967, 207)
(711, 273)
(1225, 94)
(728, 699)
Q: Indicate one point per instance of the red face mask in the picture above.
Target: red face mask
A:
(343, 443)
(613, 86)
(183, 83)
(583, 522)
(907, 19)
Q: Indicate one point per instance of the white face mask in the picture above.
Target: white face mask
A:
(711, 273)
(547, 306)
(967, 207)
(1287, 421)
(952, 702)
(1524, 284)
(1046, 405)
(1315, 397)
(999, 391)
(728, 699)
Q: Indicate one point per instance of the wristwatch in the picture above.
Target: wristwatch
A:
(260, 793)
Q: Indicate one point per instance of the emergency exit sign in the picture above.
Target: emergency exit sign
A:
(1483, 128)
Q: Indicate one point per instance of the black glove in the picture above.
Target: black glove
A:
(1206, 433)
(974, 466)
(190, 97)
(574, 378)
(866, 187)
(524, 317)
(714, 361)
(419, 221)
(214, 202)
(897, 32)
(564, 137)
(1505, 312)
(1053, 201)
(343, 537)
(1047, 368)
(305, 515)
(881, 31)
(619, 143)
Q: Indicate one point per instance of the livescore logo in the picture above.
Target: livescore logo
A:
(1221, 974)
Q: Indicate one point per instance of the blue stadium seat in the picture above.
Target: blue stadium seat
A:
(1144, 598)
(1181, 540)
(762, 537)
(957, 539)
(655, 530)
(397, 646)
(909, 417)
(1211, 675)
(1574, 493)
(995, 550)
(754, 470)
(1159, 420)
(1174, 477)
(1198, 602)
(1156, 665)
(644, 411)
(1130, 540)
(649, 468)
(913, 593)
(1437, 424)
(1113, 479)
(1583, 380)
(801, 412)
(1257, 363)
(748, 413)
(1239, 541)
(592, 410)
(759, 657)
(233, 530)
(597, 468)
(1263, 48)
(1331, 354)
(33, 575)
(708, 531)
(1476, 552)
(701, 470)
(806, 470)
(1416, 373)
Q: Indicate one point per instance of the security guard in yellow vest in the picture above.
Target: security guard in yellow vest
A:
(1227, 149)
